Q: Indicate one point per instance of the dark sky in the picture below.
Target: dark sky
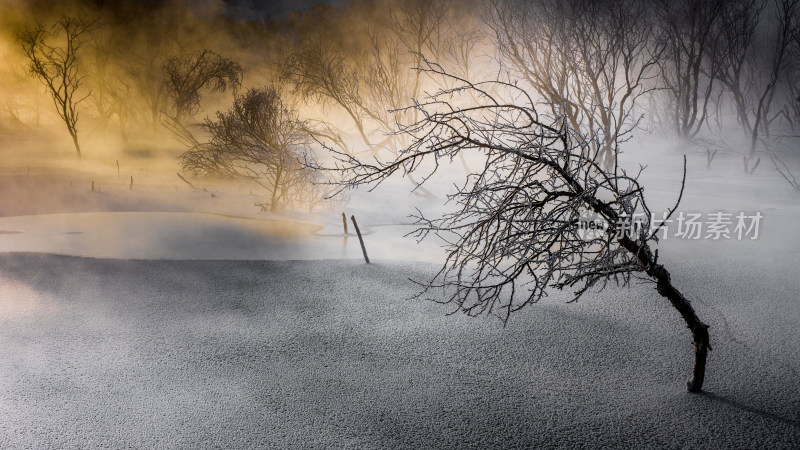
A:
(260, 9)
(237, 9)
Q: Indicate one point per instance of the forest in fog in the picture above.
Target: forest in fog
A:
(249, 91)
(399, 224)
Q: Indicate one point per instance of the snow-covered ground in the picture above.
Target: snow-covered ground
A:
(240, 354)
(169, 316)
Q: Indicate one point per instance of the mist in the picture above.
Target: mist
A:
(394, 224)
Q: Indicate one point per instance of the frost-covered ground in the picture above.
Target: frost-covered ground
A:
(240, 354)
(197, 322)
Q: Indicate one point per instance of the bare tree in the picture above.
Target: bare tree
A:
(371, 85)
(186, 76)
(111, 89)
(321, 73)
(688, 29)
(711, 147)
(785, 171)
(258, 138)
(588, 61)
(417, 28)
(751, 62)
(53, 59)
(143, 62)
(20, 106)
(790, 92)
(514, 232)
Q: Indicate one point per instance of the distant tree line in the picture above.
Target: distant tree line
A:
(695, 70)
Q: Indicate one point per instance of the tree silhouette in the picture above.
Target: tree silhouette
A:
(689, 30)
(186, 76)
(587, 61)
(258, 138)
(515, 229)
(750, 64)
(53, 59)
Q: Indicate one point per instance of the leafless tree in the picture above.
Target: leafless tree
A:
(790, 111)
(186, 76)
(371, 86)
(20, 107)
(588, 61)
(143, 62)
(321, 73)
(417, 28)
(53, 57)
(111, 89)
(260, 139)
(431, 30)
(751, 62)
(785, 171)
(711, 147)
(688, 28)
(514, 231)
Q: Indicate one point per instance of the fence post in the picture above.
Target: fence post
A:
(360, 239)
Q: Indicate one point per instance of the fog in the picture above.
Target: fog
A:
(175, 271)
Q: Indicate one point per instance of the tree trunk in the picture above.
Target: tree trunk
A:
(273, 206)
(664, 287)
(75, 141)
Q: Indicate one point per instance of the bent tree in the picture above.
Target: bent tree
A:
(514, 230)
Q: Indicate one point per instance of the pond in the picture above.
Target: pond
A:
(193, 235)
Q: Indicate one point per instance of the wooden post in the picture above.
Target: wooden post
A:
(360, 239)
(92, 185)
(118, 168)
(344, 223)
(186, 181)
(131, 182)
